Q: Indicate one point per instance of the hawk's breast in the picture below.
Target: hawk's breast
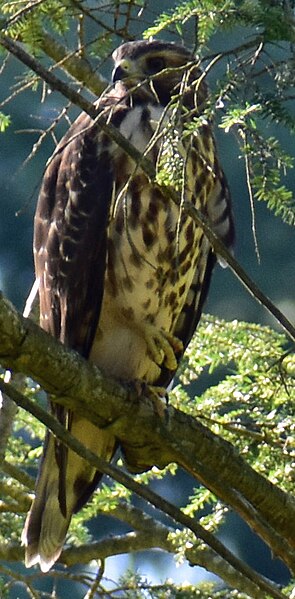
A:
(154, 249)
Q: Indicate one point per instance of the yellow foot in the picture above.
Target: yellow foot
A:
(162, 346)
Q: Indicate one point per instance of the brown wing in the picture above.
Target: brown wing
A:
(218, 211)
(70, 236)
(70, 257)
(216, 207)
(70, 247)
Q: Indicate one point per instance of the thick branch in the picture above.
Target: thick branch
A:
(76, 66)
(233, 563)
(18, 474)
(197, 555)
(8, 411)
(149, 534)
(151, 439)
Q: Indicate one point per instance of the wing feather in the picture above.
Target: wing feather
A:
(70, 235)
(70, 251)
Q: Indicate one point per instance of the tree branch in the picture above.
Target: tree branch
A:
(157, 536)
(76, 66)
(234, 564)
(161, 537)
(237, 269)
(149, 534)
(18, 474)
(151, 440)
(8, 411)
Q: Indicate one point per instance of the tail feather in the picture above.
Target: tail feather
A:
(47, 523)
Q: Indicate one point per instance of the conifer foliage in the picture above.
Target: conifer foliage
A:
(232, 407)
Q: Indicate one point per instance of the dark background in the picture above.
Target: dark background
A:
(19, 183)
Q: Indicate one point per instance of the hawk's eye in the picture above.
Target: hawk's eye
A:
(155, 64)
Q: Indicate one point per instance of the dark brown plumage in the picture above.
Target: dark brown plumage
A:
(123, 273)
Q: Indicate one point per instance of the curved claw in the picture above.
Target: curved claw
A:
(158, 396)
(162, 346)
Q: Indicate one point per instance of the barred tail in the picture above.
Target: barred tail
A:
(49, 518)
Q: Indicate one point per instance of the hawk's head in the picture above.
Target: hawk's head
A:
(158, 63)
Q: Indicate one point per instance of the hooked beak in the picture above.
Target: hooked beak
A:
(124, 70)
(118, 74)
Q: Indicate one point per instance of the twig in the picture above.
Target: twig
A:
(16, 576)
(239, 272)
(20, 475)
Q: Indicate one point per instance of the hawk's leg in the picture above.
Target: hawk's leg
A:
(162, 346)
(137, 457)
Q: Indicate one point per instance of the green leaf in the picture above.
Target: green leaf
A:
(5, 121)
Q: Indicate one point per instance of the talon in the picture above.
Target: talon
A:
(159, 397)
(162, 346)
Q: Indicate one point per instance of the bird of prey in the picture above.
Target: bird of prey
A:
(123, 271)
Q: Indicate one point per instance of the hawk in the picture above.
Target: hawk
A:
(123, 271)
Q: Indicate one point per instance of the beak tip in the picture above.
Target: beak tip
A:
(118, 74)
